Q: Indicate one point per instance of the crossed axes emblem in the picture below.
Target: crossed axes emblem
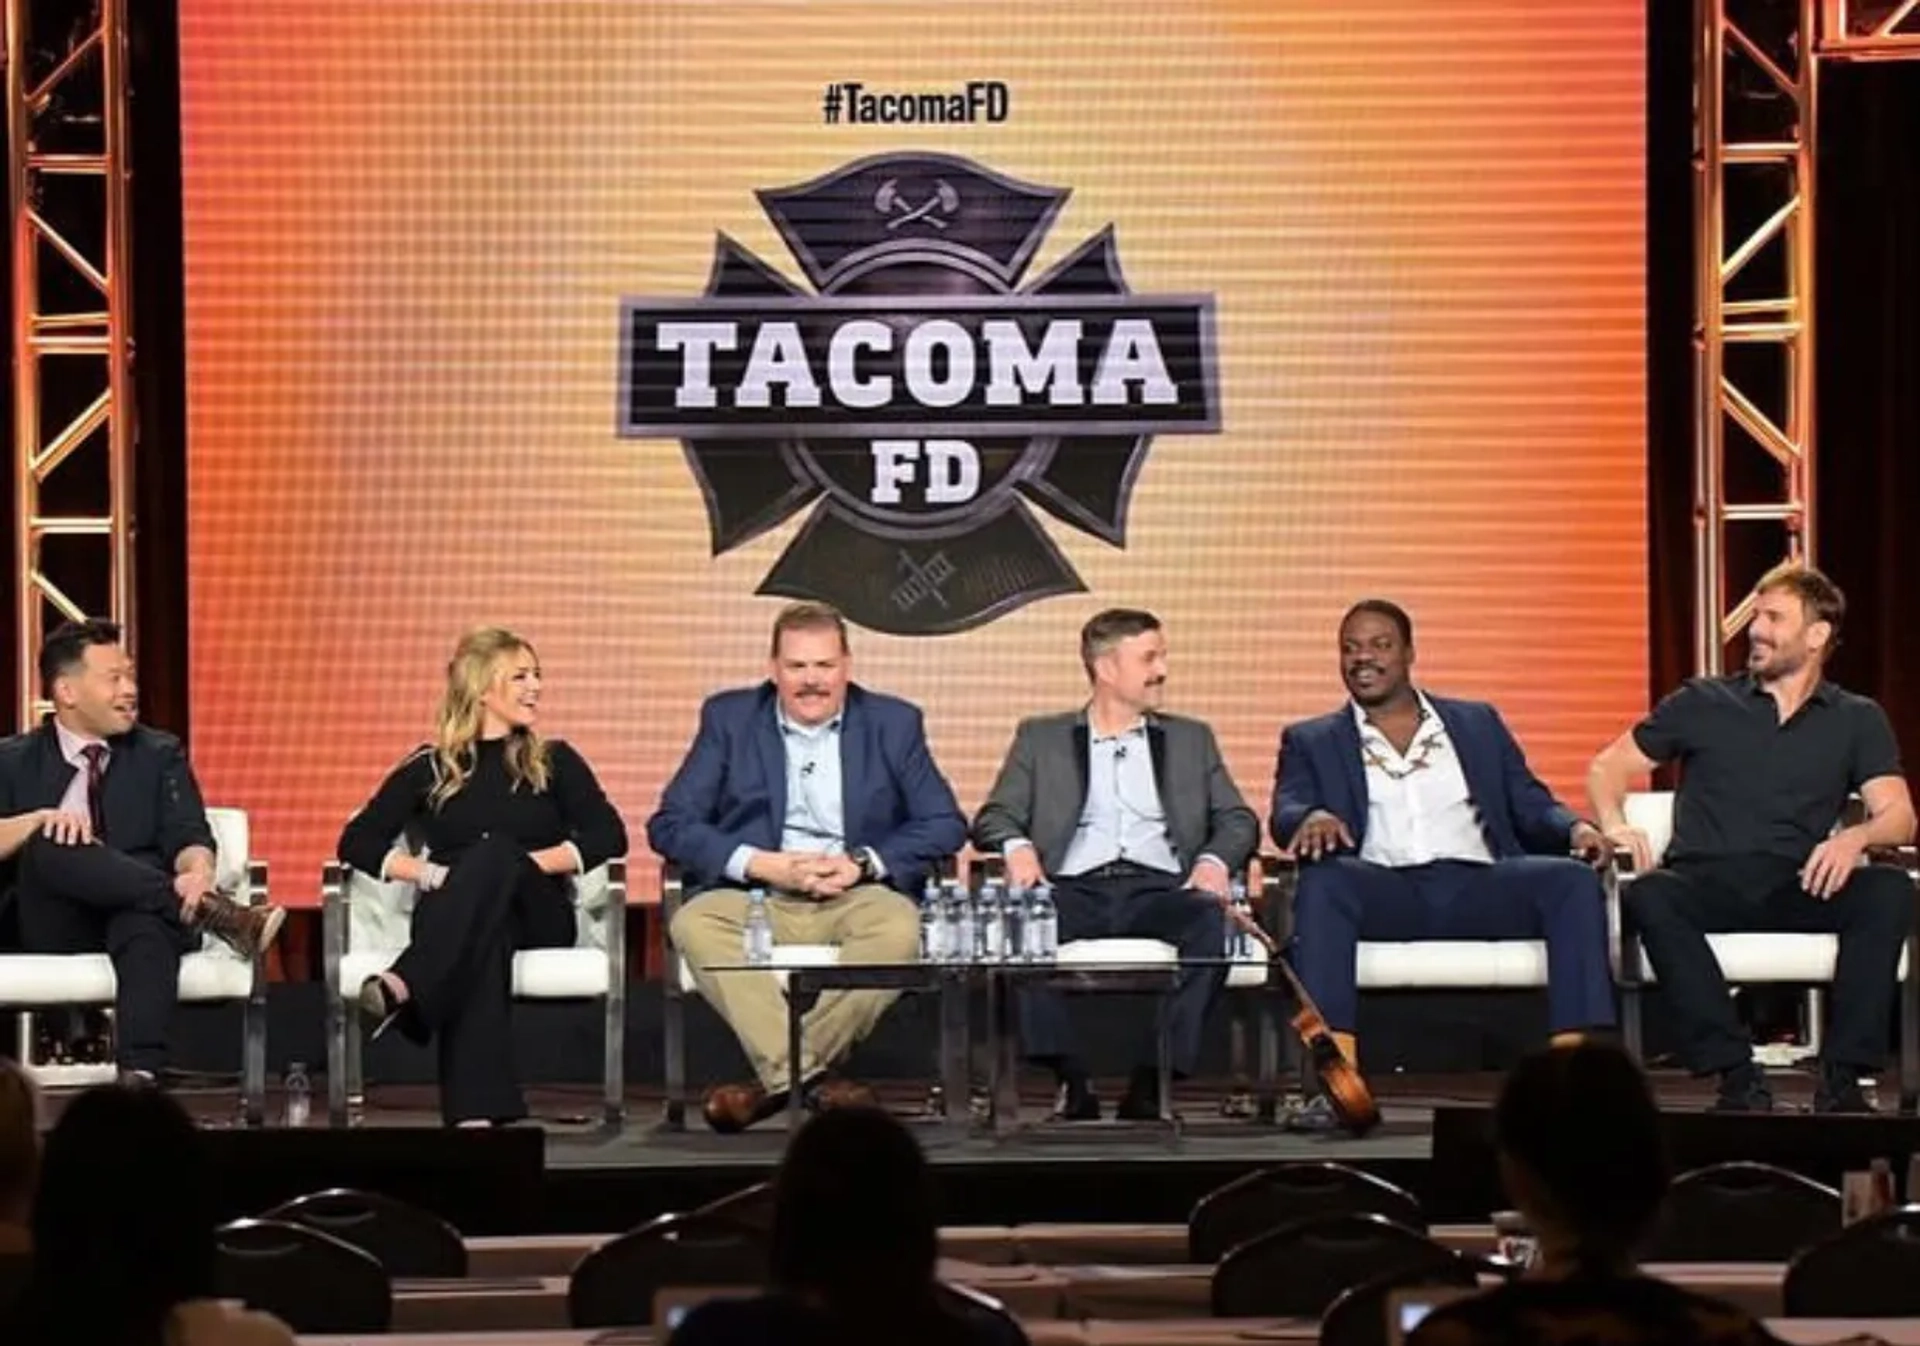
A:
(889, 201)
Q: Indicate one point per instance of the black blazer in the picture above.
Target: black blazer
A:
(152, 801)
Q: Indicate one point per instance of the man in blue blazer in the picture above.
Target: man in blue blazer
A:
(1415, 817)
(824, 795)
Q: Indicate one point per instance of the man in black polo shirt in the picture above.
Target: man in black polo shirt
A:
(1768, 758)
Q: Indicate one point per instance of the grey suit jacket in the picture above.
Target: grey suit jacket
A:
(1042, 787)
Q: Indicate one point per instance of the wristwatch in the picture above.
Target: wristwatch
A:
(869, 865)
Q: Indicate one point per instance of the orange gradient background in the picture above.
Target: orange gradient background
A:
(408, 227)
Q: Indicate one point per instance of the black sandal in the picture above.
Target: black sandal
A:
(379, 1011)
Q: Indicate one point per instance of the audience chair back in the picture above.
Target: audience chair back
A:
(615, 1284)
(1257, 1202)
(1741, 1212)
(311, 1281)
(406, 1240)
(985, 1315)
(751, 1208)
(1296, 1271)
(1870, 1269)
(1359, 1316)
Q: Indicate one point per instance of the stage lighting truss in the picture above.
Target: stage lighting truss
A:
(1756, 104)
(1754, 110)
(1870, 30)
(72, 331)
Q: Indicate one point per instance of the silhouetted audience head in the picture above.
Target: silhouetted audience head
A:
(853, 1222)
(123, 1232)
(1580, 1152)
(19, 1143)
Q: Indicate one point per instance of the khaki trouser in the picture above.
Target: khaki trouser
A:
(870, 923)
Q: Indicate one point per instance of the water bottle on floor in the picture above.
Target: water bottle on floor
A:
(1043, 926)
(299, 1092)
(930, 950)
(759, 932)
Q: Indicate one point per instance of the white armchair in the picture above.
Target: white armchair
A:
(366, 924)
(1750, 957)
(30, 982)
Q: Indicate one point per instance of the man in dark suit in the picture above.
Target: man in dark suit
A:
(825, 794)
(112, 850)
(1415, 817)
(1132, 817)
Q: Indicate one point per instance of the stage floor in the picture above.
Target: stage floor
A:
(574, 1140)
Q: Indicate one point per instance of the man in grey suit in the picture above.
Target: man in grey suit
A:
(1131, 815)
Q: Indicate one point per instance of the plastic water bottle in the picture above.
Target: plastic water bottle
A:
(993, 921)
(1239, 942)
(759, 933)
(299, 1091)
(954, 947)
(963, 934)
(930, 930)
(1043, 926)
(1013, 917)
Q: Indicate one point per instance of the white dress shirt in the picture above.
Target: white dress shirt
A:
(1418, 807)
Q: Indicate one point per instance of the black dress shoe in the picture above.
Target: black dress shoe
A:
(1077, 1102)
(1744, 1089)
(1142, 1100)
(1839, 1091)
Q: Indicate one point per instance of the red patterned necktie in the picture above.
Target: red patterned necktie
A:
(96, 755)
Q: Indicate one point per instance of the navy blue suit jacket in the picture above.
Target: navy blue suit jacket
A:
(1321, 768)
(732, 789)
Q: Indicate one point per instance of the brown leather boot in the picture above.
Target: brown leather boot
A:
(248, 931)
(732, 1108)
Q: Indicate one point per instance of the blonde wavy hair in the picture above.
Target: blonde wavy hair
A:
(19, 1141)
(478, 661)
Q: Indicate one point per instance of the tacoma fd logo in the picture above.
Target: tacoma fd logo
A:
(918, 398)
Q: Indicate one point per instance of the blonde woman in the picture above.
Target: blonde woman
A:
(500, 818)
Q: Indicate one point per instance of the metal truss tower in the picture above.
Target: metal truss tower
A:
(72, 328)
(1756, 123)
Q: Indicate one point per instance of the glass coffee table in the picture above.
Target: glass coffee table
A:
(952, 982)
(1074, 976)
(998, 984)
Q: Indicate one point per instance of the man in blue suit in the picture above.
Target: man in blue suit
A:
(824, 795)
(1415, 817)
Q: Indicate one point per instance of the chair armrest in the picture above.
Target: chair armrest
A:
(615, 919)
(1279, 876)
(335, 912)
(1902, 857)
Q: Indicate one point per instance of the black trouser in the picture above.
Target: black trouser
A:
(1675, 908)
(458, 969)
(93, 899)
(1145, 905)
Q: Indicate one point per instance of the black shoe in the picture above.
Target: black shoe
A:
(1839, 1090)
(1141, 1102)
(1314, 1117)
(1077, 1101)
(1743, 1089)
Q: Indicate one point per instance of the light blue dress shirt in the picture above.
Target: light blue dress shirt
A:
(1122, 818)
(816, 815)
